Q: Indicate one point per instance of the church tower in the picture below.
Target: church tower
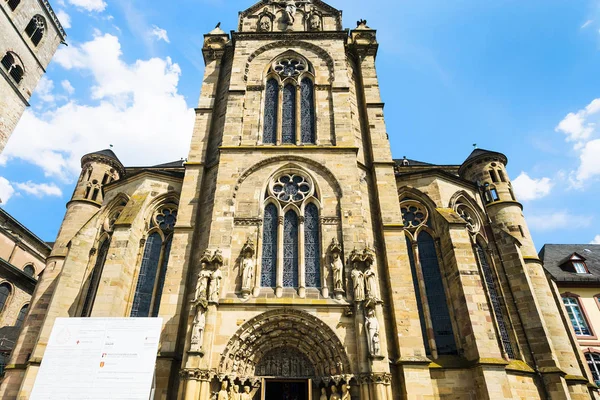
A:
(291, 257)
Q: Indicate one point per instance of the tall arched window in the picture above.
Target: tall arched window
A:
(427, 277)
(21, 316)
(307, 109)
(288, 193)
(288, 132)
(576, 315)
(13, 4)
(312, 246)
(29, 270)
(415, 278)
(269, 248)
(496, 300)
(271, 111)
(5, 292)
(292, 75)
(35, 29)
(290, 249)
(11, 64)
(153, 269)
(90, 296)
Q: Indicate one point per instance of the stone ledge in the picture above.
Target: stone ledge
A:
(287, 148)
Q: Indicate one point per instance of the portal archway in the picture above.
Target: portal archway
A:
(306, 343)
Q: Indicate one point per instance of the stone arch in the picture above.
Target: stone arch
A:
(293, 43)
(289, 160)
(287, 328)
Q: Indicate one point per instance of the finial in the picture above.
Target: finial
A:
(474, 145)
(218, 25)
(111, 146)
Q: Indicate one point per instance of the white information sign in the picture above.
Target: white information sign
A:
(100, 359)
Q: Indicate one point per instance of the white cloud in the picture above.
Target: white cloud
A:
(39, 189)
(586, 24)
(66, 85)
(89, 5)
(528, 189)
(575, 126)
(64, 18)
(6, 190)
(590, 161)
(147, 123)
(160, 34)
(44, 90)
(596, 240)
(550, 221)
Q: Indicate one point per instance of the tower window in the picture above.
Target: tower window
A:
(95, 195)
(494, 176)
(291, 80)
(10, 62)
(95, 278)
(577, 317)
(494, 194)
(501, 175)
(35, 29)
(593, 360)
(13, 4)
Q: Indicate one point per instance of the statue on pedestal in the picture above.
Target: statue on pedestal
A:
(372, 330)
(234, 393)
(247, 268)
(323, 394)
(198, 328)
(358, 280)
(337, 268)
(334, 394)
(223, 395)
(346, 393)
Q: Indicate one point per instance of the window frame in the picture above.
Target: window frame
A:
(10, 5)
(17, 64)
(36, 30)
(26, 305)
(574, 264)
(592, 352)
(33, 275)
(11, 291)
(586, 318)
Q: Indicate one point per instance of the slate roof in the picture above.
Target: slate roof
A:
(107, 153)
(554, 255)
(482, 152)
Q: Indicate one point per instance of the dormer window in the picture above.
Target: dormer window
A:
(575, 264)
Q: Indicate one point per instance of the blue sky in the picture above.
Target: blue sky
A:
(519, 77)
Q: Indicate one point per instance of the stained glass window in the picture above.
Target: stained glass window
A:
(312, 248)
(4, 294)
(307, 111)
(161, 277)
(593, 360)
(415, 278)
(496, 301)
(290, 250)
(288, 132)
(147, 276)
(576, 316)
(271, 111)
(95, 279)
(269, 254)
(291, 188)
(436, 296)
(21, 316)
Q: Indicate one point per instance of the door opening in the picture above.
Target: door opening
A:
(286, 389)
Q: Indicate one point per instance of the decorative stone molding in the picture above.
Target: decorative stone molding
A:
(247, 221)
(382, 378)
(196, 374)
(330, 220)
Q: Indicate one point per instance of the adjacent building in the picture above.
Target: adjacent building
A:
(30, 33)
(576, 270)
(292, 257)
(22, 260)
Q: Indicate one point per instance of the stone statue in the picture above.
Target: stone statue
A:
(247, 270)
(248, 395)
(371, 282)
(323, 394)
(358, 279)
(215, 286)
(372, 329)
(223, 395)
(345, 393)
(198, 329)
(235, 394)
(265, 24)
(202, 284)
(337, 267)
(334, 394)
(314, 22)
(236, 364)
(290, 11)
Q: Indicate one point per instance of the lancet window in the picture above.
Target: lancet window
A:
(434, 313)
(13, 66)
(153, 268)
(21, 316)
(291, 249)
(289, 114)
(101, 254)
(35, 29)
(5, 292)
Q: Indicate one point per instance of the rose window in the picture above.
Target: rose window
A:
(166, 219)
(289, 67)
(413, 214)
(291, 188)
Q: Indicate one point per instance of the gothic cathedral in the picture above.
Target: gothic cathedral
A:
(292, 258)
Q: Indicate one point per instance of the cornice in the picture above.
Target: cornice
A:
(321, 35)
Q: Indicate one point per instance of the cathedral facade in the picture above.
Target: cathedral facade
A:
(291, 257)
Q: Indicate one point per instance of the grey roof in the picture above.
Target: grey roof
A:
(554, 256)
(172, 164)
(482, 152)
(106, 153)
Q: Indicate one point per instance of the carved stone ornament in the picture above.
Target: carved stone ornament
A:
(208, 285)
(364, 277)
(265, 21)
(314, 20)
(373, 334)
(248, 268)
(198, 328)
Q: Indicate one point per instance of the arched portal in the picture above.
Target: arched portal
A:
(285, 343)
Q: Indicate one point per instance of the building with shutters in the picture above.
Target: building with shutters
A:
(292, 257)
(30, 33)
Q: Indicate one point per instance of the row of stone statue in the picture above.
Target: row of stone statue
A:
(345, 395)
(208, 286)
(234, 392)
